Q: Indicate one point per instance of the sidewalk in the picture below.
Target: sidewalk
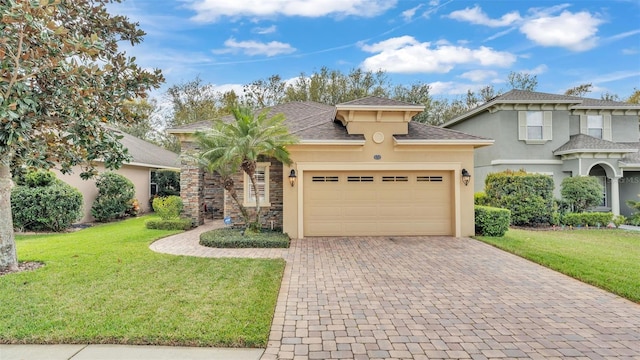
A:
(123, 352)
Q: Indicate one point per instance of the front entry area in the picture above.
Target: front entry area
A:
(378, 203)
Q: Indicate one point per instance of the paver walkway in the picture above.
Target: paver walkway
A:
(432, 298)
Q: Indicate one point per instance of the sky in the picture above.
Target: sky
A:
(452, 45)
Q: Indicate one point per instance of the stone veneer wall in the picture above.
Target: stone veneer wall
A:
(191, 185)
(214, 195)
(270, 216)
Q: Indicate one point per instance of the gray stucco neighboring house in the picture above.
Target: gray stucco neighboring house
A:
(560, 136)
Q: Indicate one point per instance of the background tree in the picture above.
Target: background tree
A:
(581, 192)
(145, 126)
(634, 98)
(580, 90)
(522, 81)
(62, 78)
(607, 96)
(193, 101)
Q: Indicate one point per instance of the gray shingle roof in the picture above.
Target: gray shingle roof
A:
(146, 153)
(632, 158)
(532, 97)
(419, 131)
(377, 101)
(314, 121)
(586, 143)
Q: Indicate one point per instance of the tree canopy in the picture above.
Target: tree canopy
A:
(62, 79)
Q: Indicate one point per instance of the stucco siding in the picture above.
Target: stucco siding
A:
(138, 175)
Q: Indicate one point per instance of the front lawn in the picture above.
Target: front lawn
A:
(608, 259)
(104, 285)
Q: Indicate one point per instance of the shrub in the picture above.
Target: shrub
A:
(115, 195)
(168, 207)
(588, 218)
(45, 203)
(480, 198)
(529, 197)
(491, 221)
(619, 220)
(171, 224)
(235, 238)
(581, 192)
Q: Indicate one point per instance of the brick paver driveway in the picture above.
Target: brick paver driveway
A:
(433, 297)
(438, 297)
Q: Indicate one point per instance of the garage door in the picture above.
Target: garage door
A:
(378, 203)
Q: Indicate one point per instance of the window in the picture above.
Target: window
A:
(153, 183)
(534, 127)
(262, 183)
(598, 126)
(603, 182)
(595, 126)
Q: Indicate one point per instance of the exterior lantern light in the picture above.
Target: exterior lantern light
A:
(292, 178)
(465, 177)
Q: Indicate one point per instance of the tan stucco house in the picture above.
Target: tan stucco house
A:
(146, 158)
(361, 168)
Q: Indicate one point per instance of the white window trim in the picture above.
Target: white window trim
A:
(606, 126)
(247, 186)
(547, 128)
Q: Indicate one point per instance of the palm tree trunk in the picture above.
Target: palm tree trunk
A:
(229, 185)
(8, 256)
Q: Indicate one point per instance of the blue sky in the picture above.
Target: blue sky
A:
(452, 45)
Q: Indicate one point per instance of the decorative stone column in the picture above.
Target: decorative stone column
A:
(191, 185)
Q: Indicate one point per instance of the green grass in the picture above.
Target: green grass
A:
(104, 285)
(234, 238)
(608, 259)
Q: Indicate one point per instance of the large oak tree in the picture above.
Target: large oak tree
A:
(63, 79)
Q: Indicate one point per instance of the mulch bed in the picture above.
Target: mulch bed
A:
(23, 266)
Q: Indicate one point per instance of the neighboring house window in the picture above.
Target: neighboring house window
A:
(598, 126)
(153, 183)
(603, 182)
(262, 183)
(595, 125)
(534, 126)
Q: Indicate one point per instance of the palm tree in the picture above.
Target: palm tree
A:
(213, 147)
(240, 143)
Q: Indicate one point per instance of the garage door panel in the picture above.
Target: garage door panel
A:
(378, 203)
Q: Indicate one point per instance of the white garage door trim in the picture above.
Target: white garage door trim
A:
(406, 166)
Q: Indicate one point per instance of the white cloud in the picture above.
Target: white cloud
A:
(630, 51)
(253, 48)
(475, 15)
(212, 10)
(451, 88)
(540, 69)
(268, 30)
(407, 55)
(408, 15)
(479, 75)
(574, 31)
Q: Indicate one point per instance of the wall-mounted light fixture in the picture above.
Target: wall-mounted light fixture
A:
(466, 177)
(292, 178)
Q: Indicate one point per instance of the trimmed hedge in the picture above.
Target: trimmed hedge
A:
(588, 218)
(491, 221)
(528, 196)
(173, 224)
(115, 195)
(480, 198)
(234, 238)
